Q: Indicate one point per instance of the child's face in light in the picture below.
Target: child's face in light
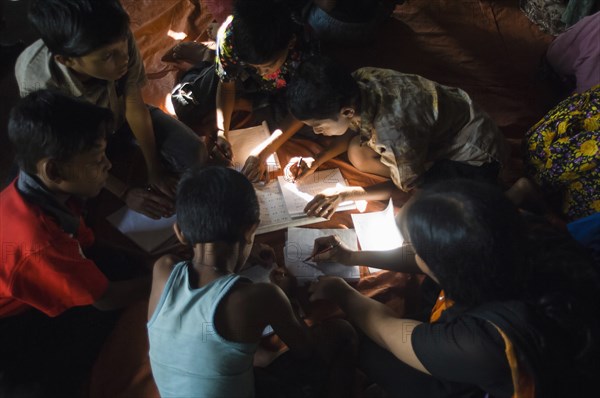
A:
(329, 127)
(86, 173)
(110, 62)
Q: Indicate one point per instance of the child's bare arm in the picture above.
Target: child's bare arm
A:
(340, 145)
(139, 120)
(255, 167)
(225, 103)
(284, 319)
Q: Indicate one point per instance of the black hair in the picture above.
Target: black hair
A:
(321, 89)
(470, 236)
(261, 29)
(75, 28)
(215, 204)
(482, 250)
(48, 123)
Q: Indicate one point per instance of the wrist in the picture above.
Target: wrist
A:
(351, 193)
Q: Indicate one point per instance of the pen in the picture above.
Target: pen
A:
(298, 168)
(309, 258)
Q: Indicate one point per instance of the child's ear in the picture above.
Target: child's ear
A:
(347, 112)
(49, 170)
(179, 234)
(66, 61)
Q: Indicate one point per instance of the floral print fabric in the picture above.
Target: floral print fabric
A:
(562, 153)
(229, 67)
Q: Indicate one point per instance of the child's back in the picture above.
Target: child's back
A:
(205, 321)
(188, 355)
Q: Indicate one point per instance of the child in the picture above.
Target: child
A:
(50, 291)
(205, 321)
(516, 316)
(259, 48)
(88, 51)
(399, 126)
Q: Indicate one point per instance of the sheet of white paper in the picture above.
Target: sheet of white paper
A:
(297, 195)
(299, 246)
(273, 211)
(243, 142)
(377, 231)
(146, 232)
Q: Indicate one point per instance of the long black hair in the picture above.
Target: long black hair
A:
(482, 250)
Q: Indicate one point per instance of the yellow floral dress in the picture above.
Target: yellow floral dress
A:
(562, 153)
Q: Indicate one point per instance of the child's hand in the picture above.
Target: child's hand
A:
(221, 152)
(256, 169)
(331, 249)
(327, 288)
(262, 254)
(283, 278)
(163, 183)
(149, 203)
(298, 168)
(325, 203)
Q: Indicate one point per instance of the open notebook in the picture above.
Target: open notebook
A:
(299, 246)
(282, 203)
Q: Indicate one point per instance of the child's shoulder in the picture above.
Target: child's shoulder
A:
(259, 297)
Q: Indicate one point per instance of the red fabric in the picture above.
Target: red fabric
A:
(43, 266)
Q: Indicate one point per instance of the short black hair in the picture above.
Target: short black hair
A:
(261, 29)
(48, 123)
(470, 236)
(215, 204)
(75, 28)
(321, 89)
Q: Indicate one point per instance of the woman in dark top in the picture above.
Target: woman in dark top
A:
(516, 316)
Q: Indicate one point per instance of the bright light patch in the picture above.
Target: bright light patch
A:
(176, 35)
(169, 105)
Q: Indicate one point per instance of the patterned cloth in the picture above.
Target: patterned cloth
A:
(412, 122)
(562, 153)
(229, 67)
(546, 14)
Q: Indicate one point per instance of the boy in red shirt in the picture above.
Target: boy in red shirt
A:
(56, 305)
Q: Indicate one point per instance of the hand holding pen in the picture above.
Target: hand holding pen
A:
(330, 249)
(298, 168)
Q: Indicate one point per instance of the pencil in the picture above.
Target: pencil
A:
(298, 168)
(309, 258)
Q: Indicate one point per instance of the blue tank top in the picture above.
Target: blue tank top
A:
(187, 355)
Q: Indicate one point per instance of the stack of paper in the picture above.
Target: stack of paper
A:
(299, 246)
